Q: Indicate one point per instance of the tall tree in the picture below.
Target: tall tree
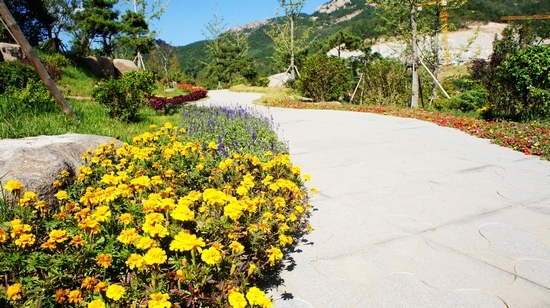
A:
(228, 51)
(31, 16)
(288, 38)
(98, 21)
(137, 35)
(60, 17)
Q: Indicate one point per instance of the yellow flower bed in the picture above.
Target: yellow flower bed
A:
(155, 223)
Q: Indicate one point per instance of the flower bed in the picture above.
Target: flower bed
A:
(160, 103)
(157, 223)
(531, 138)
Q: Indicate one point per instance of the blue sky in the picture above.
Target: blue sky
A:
(184, 21)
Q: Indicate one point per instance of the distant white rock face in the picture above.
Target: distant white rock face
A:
(332, 6)
(459, 48)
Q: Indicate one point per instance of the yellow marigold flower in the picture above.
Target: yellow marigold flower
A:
(141, 182)
(77, 241)
(267, 215)
(256, 296)
(200, 167)
(102, 213)
(159, 300)
(14, 292)
(241, 190)
(274, 254)
(128, 236)
(155, 256)
(236, 247)
(214, 197)
(58, 236)
(49, 244)
(284, 227)
(285, 240)
(65, 173)
(75, 297)
(57, 183)
(88, 283)
(212, 145)
(3, 236)
(292, 217)
(135, 261)
(25, 240)
(281, 217)
(40, 205)
(156, 180)
(89, 225)
(126, 219)
(168, 125)
(106, 163)
(104, 260)
(233, 210)
(307, 177)
(251, 268)
(313, 190)
(236, 299)
(211, 256)
(169, 173)
(184, 241)
(299, 209)
(183, 213)
(14, 186)
(62, 195)
(100, 287)
(115, 292)
(96, 303)
(146, 243)
(28, 196)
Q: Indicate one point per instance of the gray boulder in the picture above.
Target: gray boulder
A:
(123, 66)
(102, 67)
(37, 162)
(11, 52)
(279, 80)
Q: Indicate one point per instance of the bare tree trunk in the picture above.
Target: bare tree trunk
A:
(35, 61)
(415, 79)
(292, 64)
(435, 51)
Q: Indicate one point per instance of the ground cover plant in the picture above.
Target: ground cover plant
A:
(531, 138)
(162, 103)
(175, 217)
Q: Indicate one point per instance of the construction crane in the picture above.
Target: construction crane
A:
(532, 17)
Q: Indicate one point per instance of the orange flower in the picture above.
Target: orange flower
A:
(104, 260)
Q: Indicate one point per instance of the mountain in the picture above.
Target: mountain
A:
(357, 17)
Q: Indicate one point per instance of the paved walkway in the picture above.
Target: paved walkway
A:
(410, 214)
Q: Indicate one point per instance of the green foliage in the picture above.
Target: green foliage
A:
(472, 100)
(524, 86)
(15, 75)
(125, 96)
(324, 78)
(386, 83)
(56, 59)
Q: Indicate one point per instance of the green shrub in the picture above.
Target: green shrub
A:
(15, 75)
(386, 83)
(56, 59)
(261, 82)
(123, 97)
(35, 94)
(324, 78)
(523, 84)
(467, 101)
(160, 219)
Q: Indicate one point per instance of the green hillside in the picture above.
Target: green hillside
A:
(363, 25)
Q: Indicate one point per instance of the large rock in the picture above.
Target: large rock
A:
(11, 52)
(102, 67)
(123, 66)
(279, 80)
(37, 162)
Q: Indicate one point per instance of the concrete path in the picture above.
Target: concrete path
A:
(410, 214)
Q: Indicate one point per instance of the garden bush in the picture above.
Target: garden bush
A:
(161, 222)
(324, 78)
(386, 83)
(14, 75)
(123, 97)
(524, 84)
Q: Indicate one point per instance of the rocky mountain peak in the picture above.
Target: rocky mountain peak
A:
(332, 6)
